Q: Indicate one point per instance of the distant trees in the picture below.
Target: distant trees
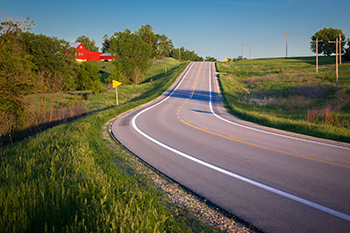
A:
(132, 56)
(105, 43)
(133, 50)
(208, 58)
(164, 46)
(160, 44)
(184, 54)
(89, 44)
(327, 34)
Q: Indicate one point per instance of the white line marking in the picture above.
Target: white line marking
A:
(236, 176)
(263, 131)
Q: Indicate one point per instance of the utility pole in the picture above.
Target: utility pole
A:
(180, 54)
(336, 59)
(317, 53)
(242, 50)
(340, 41)
(286, 44)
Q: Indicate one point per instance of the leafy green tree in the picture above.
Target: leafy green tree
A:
(16, 76)
(327, 34)
(89, 44)
(54, 63)
(184, 54)
(164, 46)
(88, 78)
(132, 56)
(208, 58)
(105, 43)
(147, 34)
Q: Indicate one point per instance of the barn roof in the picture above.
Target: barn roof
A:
(107, 54)
(75, 45)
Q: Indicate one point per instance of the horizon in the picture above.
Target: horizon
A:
(214, 28)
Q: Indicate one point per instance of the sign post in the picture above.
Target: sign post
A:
(115, 85)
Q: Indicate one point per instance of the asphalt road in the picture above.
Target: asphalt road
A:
(277, 181)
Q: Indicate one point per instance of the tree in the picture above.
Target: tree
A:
(184, 54)
(327, 34)
(16, 76)
(89, 44)
(164, 46)
(148, 36)
(54, 63)
(132, 56)
(208, 58)
(105, 43)
(88, 78)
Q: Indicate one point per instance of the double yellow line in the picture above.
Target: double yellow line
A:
(300, 155)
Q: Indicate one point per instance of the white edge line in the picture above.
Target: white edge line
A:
(236, 176)
(264, 131)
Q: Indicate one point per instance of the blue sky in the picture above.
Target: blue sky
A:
(209, 27)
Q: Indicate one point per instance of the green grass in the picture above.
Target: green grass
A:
(287, 94)
(106, 69)
(69, 179)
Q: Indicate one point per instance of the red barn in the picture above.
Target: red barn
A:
(84, 54)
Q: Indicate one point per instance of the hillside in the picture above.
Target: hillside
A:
(287, 94)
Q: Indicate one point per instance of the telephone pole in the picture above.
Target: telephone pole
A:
(317, 53)
(340, 41)
(286, 44)
(336, 59)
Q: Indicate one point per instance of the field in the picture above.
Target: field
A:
(71, 179)
(287, 94)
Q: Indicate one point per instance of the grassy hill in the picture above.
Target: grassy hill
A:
(287, 94)
(69, 178)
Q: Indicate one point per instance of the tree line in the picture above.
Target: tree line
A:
(39, 64)
(134, 49)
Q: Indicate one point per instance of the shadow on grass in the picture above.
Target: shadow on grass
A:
(32, 131)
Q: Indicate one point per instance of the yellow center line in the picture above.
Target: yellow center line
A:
(267, 148)
(195, 83)
(300, 155)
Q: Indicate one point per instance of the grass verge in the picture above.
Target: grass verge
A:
(287, 94)
(67, 179)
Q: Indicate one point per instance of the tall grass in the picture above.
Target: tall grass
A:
(287, 94)
(68, 179)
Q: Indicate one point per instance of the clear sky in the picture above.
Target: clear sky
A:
(214, 28)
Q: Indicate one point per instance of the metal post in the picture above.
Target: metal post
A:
(287, 44)
(116, 95)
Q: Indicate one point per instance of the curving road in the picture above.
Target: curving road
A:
(277, 181)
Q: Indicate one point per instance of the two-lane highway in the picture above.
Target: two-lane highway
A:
(277, 181)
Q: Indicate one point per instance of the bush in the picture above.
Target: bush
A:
(88, 78)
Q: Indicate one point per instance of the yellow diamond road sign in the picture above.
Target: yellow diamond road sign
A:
(116, 83)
